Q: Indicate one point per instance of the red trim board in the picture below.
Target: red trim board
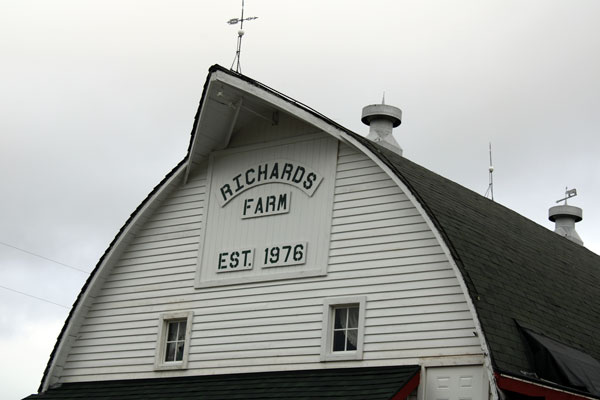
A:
(407, 389)
(533, 389)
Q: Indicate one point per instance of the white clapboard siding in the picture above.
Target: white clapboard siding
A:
(380, 247)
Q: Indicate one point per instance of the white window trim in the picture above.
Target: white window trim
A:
(163, 323)
(327, 331)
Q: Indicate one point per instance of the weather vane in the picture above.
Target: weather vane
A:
(568, 194)
(235, 21)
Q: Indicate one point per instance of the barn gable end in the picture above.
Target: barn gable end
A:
(278, 222)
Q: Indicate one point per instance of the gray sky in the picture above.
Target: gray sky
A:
(97, 100)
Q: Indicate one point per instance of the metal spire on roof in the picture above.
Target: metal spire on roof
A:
(490, 189)
(235, 21)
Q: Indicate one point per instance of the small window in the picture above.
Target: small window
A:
(343, 327)
(175, 340)
(174, 330)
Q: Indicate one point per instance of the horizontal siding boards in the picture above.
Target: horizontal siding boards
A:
(144, 254)
(193, 231)
(166, 267)
(317, 290)
(164, 243)
(379, 232)
(369, 209)
(89, 345)
(183, 227)
(362, 243)
(179, 206)
(357, 204)
(380, 247)
(143, 282)
(131, 332)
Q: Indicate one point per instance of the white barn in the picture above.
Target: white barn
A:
(287, 257)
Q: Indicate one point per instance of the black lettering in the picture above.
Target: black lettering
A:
(247, 204)
(287, 170)
(270, 203)
(310, 179)
(225, 190)
(246, 261)
(262, 172)
(222, 257)
(275, 171)
(298, 252)
(274, 255)
(282, 204)
(248, 181)
(287, 255)
(299, 174)
(237, 182)
(235, 259)
(259, 206)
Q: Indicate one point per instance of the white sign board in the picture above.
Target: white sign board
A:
(268, 212)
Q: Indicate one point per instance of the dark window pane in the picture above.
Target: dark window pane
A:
(339, 337)
(179, 355)
(353, 317)
(352, 336)
(340, 318)
(181, 335)
(172, 334)
(170, 354)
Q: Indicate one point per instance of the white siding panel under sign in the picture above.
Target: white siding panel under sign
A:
(375, 244)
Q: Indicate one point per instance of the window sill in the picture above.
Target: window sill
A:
(342, 356)
(170, 366)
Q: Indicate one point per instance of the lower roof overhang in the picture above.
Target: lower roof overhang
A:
(538, 390)
(369, 383)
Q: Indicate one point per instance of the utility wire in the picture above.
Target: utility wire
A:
(33, 297)
(45, 258)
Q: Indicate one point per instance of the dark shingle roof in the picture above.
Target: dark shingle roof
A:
(374, 383)
(515, 269)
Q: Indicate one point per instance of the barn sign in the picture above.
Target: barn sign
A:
(289, 172)
(268, 212)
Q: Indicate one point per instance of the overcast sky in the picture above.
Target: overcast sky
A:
(97, 100)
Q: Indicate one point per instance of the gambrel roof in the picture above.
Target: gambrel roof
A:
(519, 275)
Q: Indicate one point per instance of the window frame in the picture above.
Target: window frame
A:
(161, 342)
(329, 306)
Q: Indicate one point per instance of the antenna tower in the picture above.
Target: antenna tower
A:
(490, 189)
(235, 21)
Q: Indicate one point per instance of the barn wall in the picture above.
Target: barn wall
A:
(379, 247)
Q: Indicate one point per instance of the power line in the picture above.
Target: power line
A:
(33, 297)
(45, 258)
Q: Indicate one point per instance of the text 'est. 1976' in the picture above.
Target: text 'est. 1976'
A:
(272, 256)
